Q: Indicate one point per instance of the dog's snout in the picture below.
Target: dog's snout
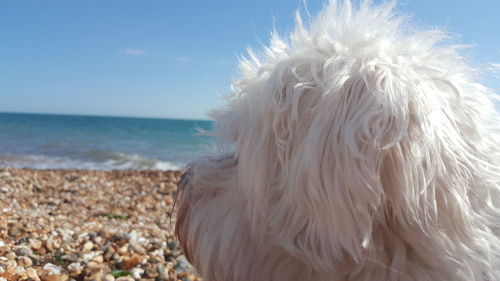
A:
(185, 178)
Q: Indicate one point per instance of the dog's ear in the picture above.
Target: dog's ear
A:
(320, 162)
(311, 156)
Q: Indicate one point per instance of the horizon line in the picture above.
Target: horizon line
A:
(104, 116)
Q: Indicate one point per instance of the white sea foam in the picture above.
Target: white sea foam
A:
(112, 161)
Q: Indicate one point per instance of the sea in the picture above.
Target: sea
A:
(43, 141)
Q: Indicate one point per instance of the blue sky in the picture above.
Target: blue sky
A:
(169, 58)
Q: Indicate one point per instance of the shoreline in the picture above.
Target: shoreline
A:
(60, 225)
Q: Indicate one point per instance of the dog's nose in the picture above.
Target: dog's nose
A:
(185, 178)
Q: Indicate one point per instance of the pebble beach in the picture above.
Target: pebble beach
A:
(60, 225)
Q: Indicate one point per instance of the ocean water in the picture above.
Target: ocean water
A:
(43, 141)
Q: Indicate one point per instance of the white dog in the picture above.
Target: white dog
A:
(359, 149)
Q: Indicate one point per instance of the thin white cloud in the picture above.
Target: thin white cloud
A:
(183, 59)
(134, 52)
(495, 66)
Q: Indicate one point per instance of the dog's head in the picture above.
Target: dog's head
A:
(357, 148)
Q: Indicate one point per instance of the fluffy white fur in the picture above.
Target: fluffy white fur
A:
(357, 148)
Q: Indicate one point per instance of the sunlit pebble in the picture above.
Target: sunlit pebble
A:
(59, 231)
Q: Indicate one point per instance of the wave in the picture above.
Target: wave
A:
(55, 145)
(90, 160)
